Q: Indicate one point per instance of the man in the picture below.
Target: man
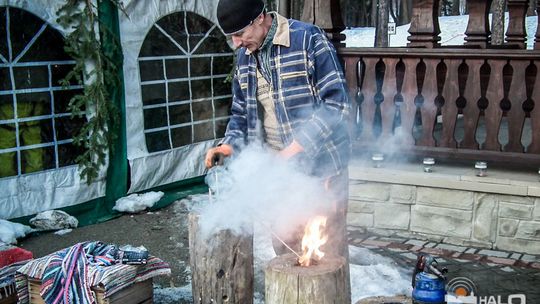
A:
(288, 76)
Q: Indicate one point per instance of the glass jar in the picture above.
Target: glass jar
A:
(377, 159)
(429, 163)
(481, 168)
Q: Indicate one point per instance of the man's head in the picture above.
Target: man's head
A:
(244, 21)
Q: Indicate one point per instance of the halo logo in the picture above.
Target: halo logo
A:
(461, 290)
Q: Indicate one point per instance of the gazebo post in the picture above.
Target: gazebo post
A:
(327, 15)
(537, 36)
(425, 30)
(516, 33)
(478, 32)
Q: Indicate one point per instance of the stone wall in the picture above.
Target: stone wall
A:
(444, 213)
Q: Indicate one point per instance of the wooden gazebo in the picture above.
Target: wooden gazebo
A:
(445, 101)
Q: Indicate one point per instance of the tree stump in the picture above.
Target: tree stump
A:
(221, 265)
(287, 282)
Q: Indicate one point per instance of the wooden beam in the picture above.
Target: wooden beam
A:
(425, 28)
(327, 15)
(478, 32)
(537, 36)
(516, 33)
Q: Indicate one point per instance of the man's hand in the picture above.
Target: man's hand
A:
(291, 150)
(214, 155)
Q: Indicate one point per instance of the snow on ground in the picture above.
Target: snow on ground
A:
(137, 202)
(371, 274)
(10, 232)
(452, 33)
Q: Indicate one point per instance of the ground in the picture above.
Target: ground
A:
(380, 265)
(163, 233)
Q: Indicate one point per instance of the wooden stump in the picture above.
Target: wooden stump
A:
(221, 266)
(286, 282)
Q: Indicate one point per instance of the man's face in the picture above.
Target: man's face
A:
(251, 36)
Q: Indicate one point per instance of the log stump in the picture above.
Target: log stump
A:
(287, 282)
(221, 265)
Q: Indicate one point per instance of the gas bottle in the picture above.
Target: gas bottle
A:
(428, 289)
(428, 281)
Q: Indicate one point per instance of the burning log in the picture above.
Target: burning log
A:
(312, 277)
(321, 282)
(221, 266)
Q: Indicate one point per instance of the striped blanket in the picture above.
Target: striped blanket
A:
(7, 278)
(68, 275)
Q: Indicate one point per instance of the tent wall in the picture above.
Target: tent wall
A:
(152, 165)
(54, 186)
(150, 169)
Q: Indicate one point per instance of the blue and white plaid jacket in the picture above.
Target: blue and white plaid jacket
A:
(310, 97)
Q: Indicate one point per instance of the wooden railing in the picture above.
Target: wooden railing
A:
(453, 103)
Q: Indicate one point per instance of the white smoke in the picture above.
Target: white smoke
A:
(258, 187)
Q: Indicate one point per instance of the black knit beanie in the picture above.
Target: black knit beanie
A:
(234, 15)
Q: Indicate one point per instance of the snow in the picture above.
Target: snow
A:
(452, 33)
(371, 274)
(53, 220)
(10, 232)
(137, 202)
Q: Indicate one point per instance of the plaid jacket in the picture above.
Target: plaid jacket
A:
(309, 92)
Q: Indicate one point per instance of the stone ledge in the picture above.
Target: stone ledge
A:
(456, 177)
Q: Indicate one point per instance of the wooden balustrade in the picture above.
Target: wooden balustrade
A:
(465, 104)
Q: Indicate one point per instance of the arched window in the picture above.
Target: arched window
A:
(36, 127)
(183, 64)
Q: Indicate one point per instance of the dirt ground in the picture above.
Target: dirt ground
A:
(164, 233)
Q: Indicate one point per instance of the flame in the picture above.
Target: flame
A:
(313, 239)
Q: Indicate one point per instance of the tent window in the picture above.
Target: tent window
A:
(36, 127)
(183, 64)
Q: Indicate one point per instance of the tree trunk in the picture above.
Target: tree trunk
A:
(221, 265)
(374, 15)
(405, 9)
(323, 283)
(532, 8)
(381, 30)
(497, 22)
(455, 7)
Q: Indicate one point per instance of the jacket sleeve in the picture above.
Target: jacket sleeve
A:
(332, 102)
(235, 134)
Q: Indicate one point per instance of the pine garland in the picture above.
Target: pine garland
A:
(96, 71)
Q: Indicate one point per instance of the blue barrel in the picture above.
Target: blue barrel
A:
(428, 289)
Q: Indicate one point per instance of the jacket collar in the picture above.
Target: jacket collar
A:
(281, 36)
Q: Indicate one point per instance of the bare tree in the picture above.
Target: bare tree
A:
(381, 29)
(497, 22)
(455, 7)
(405, 11)
(374, 10)
(531, 11)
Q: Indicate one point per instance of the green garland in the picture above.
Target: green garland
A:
(96, 71)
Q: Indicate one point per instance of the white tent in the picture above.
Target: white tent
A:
(176, 101)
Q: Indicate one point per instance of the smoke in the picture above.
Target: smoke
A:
(258, 187)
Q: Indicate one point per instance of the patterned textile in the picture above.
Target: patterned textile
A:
(270, 124)
(68, 275)
(7, 278)
(310, 96)
(11, 254)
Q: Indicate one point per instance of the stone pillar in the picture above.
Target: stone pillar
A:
(284, 8)
(424, 30)
(516, 33)
(327, 15)
(478, 32)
